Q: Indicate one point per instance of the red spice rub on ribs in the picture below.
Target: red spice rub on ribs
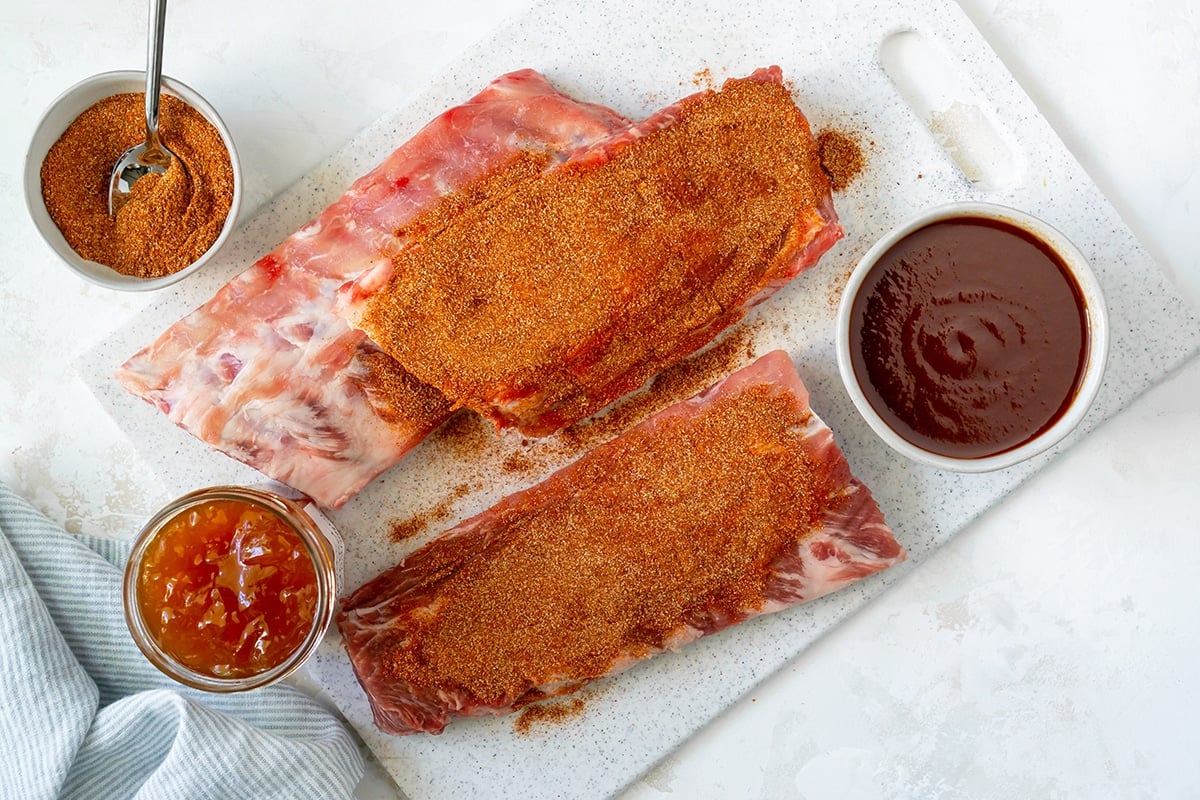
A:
(565, 289)
(717, 509)
(266, 372)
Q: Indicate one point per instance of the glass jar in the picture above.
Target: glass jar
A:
(321, 544)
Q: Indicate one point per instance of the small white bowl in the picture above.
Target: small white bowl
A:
(1097, 323)
(61, 113)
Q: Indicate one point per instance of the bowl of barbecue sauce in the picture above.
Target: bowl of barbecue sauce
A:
(972, 337)
(230, 588)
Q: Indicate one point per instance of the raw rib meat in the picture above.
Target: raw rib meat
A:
(715, 510)
(570, 287)
(267, 373)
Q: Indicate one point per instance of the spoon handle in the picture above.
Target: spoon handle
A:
(158, 25)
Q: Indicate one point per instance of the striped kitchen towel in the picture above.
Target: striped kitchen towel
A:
(84, 715)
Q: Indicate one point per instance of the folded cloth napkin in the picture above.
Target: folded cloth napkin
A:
(84, 715)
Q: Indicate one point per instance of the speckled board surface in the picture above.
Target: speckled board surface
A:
(637, 57)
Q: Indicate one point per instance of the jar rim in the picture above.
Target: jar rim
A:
(296, 518)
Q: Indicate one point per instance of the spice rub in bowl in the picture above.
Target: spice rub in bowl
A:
(170, 220)
(173, 226)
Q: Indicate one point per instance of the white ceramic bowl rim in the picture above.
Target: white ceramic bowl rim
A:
(58, 115)
(1098, 336)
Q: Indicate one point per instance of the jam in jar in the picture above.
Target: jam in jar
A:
(230, 588)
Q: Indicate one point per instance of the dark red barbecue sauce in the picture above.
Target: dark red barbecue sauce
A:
(969, 337)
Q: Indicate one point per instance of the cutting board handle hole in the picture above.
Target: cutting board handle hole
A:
(935, 87)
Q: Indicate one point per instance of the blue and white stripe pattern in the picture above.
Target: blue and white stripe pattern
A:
(84, 715)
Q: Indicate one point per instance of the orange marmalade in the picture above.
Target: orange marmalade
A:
(226, 587)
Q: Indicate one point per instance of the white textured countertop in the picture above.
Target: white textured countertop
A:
(1049, 650)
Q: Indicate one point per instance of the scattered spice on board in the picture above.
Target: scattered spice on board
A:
(548, 712)
(465, 436)
(518, 463)
(170, 220)
(402, 529)
(841, 157)
(704, 79)
(837, 285)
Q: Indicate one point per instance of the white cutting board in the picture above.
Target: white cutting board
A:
(636, 57)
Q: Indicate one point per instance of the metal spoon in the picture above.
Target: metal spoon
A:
(150, 156)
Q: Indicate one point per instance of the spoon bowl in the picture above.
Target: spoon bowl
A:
(137, 162)
(151, 156)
